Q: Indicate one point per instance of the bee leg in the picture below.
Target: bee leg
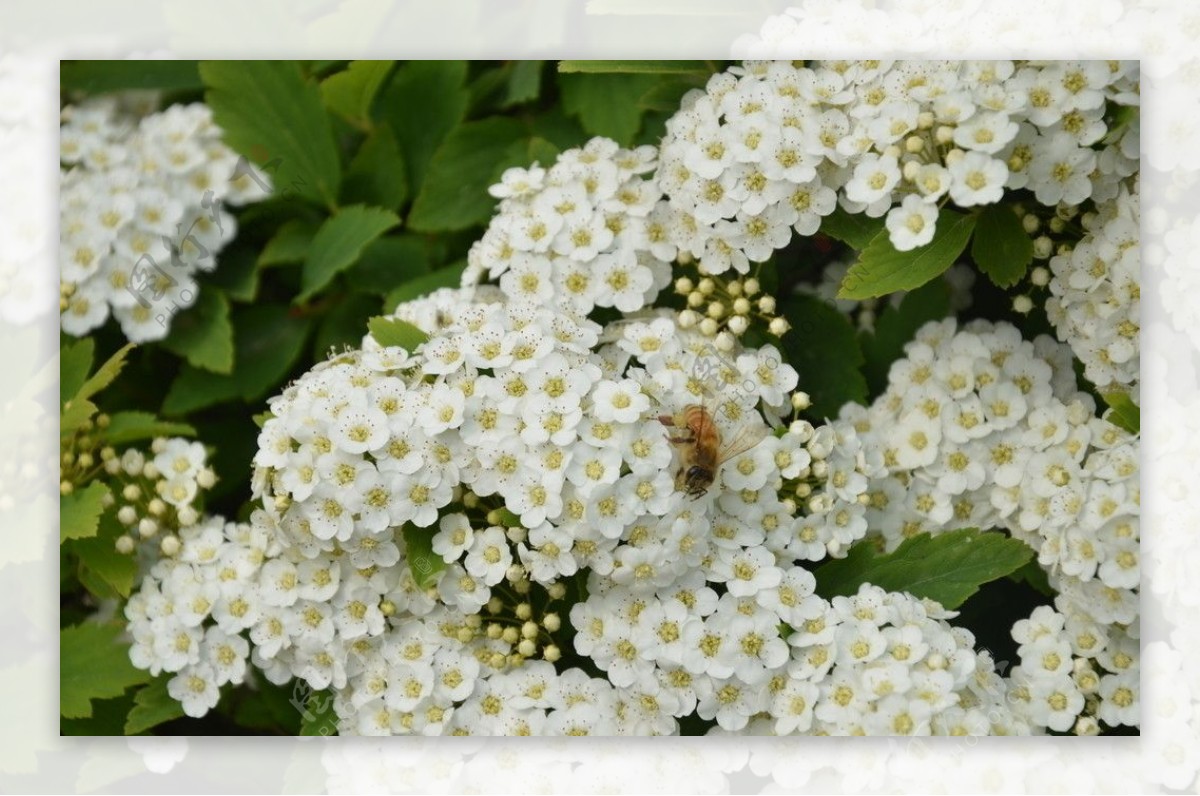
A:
(681, 440)
(666, 420)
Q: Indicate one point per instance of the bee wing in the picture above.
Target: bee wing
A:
(741, 441)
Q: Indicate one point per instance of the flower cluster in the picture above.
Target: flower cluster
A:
(771, 148)
(1096, 293)
(159, 492)
(979, 428)
(579, 235)
(141, 203)
(188, 615)
(426, 513)
(153, 493)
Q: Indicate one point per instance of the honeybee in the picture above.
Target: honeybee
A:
(703, 450)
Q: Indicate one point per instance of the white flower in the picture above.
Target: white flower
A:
(911, 223)
(976, 179)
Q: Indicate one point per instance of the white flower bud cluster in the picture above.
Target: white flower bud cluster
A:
(771, 148)
(980, 428)
(579, 235)
(141, 212)
(158, 492)
(1095, 302)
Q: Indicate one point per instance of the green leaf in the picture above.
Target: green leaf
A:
(881, 269)
(350, 93)
(270, 707)
(1124, 412)
(93, 664)
(1032, 574)
(821, 345)
(425, 564)
(454, 195)
(376, 175)
(271, 114)
(855, 230)
(895, 326)
(638, 67)
(107, 718)
(606, 104)
(270, 340)
(125, 427)
(1001, 247)
(74, 414)
(524, 83)
(395, 332)
(102, 77)
(449, 276)
(79, 512)
(389, 262)
(339, 242)
(238, 274)
(290, 244)
(105, 375)
(317, 716)
(424, 101)
(261, 418)
(152, 706)
(74, 362)
(532, 150)
(343, 325)
(949, 567)
(203, 333)
(98, 555)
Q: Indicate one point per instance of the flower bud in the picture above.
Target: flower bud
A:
(683, 286)
(695, 299)
(766, 305)
(530, 630)
(156, 507)
(716, 310)
(551, 653)
(524, 611)
(1043, 247)
(708, 327)
(1040, 276)
(510, 635)
(738, 324)
(741, 306)
(127, 515)
(557, 590)
(1022, 304)
(725, 342)
(801, 401)
(551, 622)
(170, 546)
(527, 648)
(750, 286)
(688, 319)
(706, 286)
(913, 144)
(206, 478)
(779, 327)
(1031, 223)
(147, 527)
(125, 545)
(131, 492)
